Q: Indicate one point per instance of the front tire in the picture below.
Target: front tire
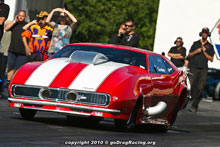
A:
(92, 121)
(121, 124)
(27, 114)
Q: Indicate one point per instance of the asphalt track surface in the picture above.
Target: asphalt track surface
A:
(52, 129)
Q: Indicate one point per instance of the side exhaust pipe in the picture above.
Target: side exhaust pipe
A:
(157, 109)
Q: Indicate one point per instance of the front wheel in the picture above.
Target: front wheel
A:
(121, 124)
(93, 121)
(132, 122)
(27, 114)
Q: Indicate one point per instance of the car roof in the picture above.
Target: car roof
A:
(117, 47)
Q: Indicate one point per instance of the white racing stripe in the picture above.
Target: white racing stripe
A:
(92, 76)
(47, 72)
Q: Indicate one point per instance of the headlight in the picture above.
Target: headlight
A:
(44, 93)
(71, 96)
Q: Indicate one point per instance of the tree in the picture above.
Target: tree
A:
(98, 19)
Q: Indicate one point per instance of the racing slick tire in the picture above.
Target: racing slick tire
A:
(163, 128)
(27, 114)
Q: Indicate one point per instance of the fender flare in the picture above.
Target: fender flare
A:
(133, 116)
(182, 104)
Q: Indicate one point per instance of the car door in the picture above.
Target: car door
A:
(162, 83)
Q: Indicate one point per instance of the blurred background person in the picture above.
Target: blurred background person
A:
(4, 11)
(115, 39)
(200, 53)
(178, 53)
(62, 29)
(39, 35)
(16, 51)
(129, 38)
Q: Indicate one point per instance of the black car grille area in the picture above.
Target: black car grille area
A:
(58, 94)
(27, 92)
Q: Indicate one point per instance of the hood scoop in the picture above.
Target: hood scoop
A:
(88, 57)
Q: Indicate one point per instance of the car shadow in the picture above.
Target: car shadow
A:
(104, 125)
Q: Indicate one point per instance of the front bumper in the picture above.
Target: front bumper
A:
(55, 104)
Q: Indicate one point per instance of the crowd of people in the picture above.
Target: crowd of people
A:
(41, 38)
(33, 41)
(196, 61)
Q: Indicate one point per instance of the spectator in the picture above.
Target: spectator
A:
(178, 53)
(200, 53)
(4, 11)
(39, 34)
(16, 52)
(62, 30)
(130, 38)
(121, 32)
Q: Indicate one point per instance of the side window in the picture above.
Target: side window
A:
(170, 70)
(156, 65)
(151, 64)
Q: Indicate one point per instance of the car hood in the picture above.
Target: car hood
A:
(61, 73)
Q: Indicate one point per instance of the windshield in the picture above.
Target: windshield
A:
(115, 55)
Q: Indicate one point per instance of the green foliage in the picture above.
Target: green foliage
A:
(98, 19)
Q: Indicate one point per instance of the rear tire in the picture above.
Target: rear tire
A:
(27, 114)
(160, 128)
(163, 128)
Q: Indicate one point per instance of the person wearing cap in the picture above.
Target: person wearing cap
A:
(39, 35)
(200, 53)
(62, 29)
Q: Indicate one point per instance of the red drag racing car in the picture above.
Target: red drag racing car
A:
(130, 85)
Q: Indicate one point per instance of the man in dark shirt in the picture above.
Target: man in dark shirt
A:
(16, 53)
(129, 38)
(178, 53)
(200, 53)
(121, 32)
(4, 11)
